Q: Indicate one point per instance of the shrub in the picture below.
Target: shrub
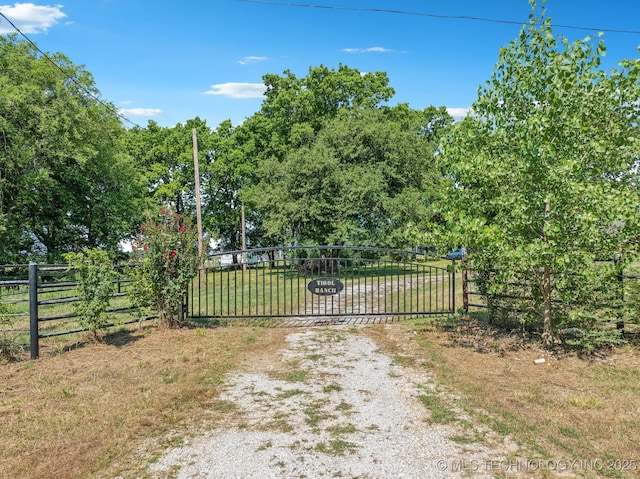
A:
(164, 261)
(586, 300)
(95, 276)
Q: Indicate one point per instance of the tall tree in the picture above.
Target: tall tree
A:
(165, 157)
(364, 178)
(225, 174)
(544, 174)
(292, 113)
(61, 185)
(299, 107)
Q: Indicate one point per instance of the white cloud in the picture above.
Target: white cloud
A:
(248, 60)
(140, 111)
(30, 18)
(369, 50)
(237, 90)
(458, 113)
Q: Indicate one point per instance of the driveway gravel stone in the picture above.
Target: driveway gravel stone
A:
(329, 405)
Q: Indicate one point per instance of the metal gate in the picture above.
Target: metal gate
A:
(321, 283)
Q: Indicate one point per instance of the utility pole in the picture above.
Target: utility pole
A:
(196, 173)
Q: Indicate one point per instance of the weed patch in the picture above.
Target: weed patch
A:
(337, 447)
(441, 413)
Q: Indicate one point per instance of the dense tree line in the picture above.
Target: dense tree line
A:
(540, 180)
(322, 161)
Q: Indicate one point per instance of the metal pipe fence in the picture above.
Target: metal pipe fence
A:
(38, 301)
(320, 282)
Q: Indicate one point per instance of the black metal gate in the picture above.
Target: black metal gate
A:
(321, 283)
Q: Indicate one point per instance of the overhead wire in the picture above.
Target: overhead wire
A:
(432, 15)
(69, 77)
(310, 5)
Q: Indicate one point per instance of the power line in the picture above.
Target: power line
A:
(432, 15)
(67, 76)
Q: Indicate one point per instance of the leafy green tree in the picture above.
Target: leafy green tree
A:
(293, 112)
(297, 108)
(365, 177)
(224, 176)
(165, 156)
(62, 175)
(544, 178)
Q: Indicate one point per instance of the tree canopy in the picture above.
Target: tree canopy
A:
(64, 183)
(323, 160)
(544, 175)
(366, 175)
(291, 166)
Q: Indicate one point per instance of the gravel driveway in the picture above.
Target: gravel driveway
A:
(329, 405)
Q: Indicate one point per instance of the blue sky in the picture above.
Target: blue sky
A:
(173, 61)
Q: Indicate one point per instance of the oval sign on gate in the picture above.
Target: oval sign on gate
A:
(325, 286)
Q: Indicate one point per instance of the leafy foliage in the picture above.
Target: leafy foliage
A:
(95, 276)
(165, 260)
(544, 179)
(364, 177)
(293, 113)
(64, 182)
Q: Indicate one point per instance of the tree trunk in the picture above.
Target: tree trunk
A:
(547, 328)
(547, 331)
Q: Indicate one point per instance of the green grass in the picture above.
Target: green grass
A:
(441, 413)
(331, 388)
(314, 416)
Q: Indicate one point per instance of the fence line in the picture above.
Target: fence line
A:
(41, 306)
(468, 292)
(369, 281)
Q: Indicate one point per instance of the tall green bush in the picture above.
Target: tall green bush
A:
(164, 260)
(544, 176)
(95, 277)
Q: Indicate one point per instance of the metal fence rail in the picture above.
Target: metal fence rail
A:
(320, 281)
(38, 302)
(626, 289)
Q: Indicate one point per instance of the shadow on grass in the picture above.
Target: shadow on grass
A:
(476, 331)
(123, 337)
(118, 338)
